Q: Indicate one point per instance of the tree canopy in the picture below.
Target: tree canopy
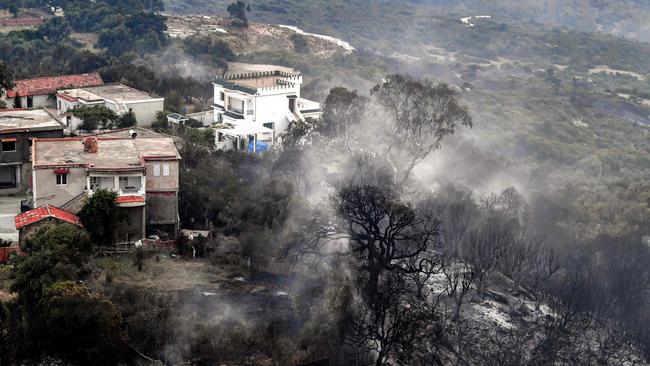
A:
(100, 216)
(237, 11)
(421, 114)
(96, 116)
(6, 78)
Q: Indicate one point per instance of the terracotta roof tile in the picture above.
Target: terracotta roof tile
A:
(50, 84)
(43, 212)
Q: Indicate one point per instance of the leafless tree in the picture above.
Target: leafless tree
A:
(384, 232)
(393, 322)
(460, 278)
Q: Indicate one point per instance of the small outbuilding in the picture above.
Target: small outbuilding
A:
(27, 223)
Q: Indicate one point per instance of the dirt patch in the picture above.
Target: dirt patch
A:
(258, 37)
(164, 273)
(614, 72)
(87, 40)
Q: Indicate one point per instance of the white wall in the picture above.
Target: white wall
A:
(218, 89)
(273, 108)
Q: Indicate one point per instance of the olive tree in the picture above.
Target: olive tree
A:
(420, 115)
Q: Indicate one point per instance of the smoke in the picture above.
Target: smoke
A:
(174, 60)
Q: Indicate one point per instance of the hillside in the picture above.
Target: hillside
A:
(624, 18)
(552, 106)
(474, 187)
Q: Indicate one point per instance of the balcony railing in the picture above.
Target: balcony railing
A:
(123, 192)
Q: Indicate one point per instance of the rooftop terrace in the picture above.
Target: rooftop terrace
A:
(115, 92)
(112, 153)
(20, 120)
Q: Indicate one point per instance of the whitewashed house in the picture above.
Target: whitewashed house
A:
(256, 107)
(117, 97)
(39, 92)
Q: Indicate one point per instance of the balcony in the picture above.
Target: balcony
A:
(130, 189)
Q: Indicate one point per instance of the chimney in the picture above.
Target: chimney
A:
(90, 145)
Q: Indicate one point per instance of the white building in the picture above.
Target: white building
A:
(37, 92)
(260, 105)
(117, 97)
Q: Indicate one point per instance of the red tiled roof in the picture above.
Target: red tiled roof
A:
(43, 212)
(50, 84)
(129, 199)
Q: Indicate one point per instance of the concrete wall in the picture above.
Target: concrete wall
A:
(145, 112)
(39, 101)
(47, 192)
(22, 157)
(162, 208)
(132, 228)
(161, 182)
(162, 198)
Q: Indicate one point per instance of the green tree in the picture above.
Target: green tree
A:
(174, 101)
(94, 117)
(100, 216)
(56, 253)
(55, 30)
(82, 326)
(13, 9)
(127, 120)
(6, 80)
(343, 109)
(300, 44)
(161, 123)
(237, 11)
(421, 114)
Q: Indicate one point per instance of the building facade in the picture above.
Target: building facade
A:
(258, 106)
(18, 129)
(39, 92)
(143, 171)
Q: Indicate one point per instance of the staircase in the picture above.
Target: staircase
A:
(75, 204)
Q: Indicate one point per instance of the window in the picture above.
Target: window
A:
(222, 96)
(270, 125)
(30, 101)
(8, 175)
(165, 169)
(130, 184)
(156, 169)
(94, 183)
(236, 105)
(97, 183)
(8, 146)
(59, 104)
(61, 179)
